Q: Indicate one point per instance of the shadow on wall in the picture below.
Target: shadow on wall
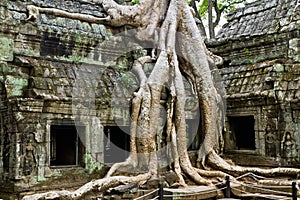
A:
(5, 142)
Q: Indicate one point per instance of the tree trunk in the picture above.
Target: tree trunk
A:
(201, 26)
(210, 20)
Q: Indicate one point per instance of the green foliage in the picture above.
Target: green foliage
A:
(135, 1)
(92, 164)
(248, 55)
(248, 52)
(125, 79)
(202, 9)
(7, 5)
(75, 59)
(224, 6)
(220, 8)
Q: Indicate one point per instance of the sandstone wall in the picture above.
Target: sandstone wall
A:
(260, 47)
(59, 72)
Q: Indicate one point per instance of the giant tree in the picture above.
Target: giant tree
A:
(179, 52)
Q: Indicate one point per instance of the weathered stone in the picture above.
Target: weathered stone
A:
(294, 49)
(171, 178)
(261, 72)
(153, 183)
(6, 49)
(278, 68)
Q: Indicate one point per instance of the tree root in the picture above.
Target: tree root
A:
(99, 185)
(128, 163)
(218, 163)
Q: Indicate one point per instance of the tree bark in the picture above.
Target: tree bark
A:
(201, 26)
(210, 20)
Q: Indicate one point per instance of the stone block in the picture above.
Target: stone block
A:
(27, 45)
(278, 68)
(289, 95)
(282, 85)
(15, 86)
(293, 85)
(28, 29)
(297, 94)
(280, 95)
(6, 49)
(39, 83)
(294, 49)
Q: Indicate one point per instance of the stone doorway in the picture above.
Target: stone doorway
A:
(242, 129)
(66, 146)
(117, 143)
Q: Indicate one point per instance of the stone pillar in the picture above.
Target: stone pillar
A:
(97, 140)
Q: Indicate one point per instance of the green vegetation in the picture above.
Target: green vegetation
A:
(135, 1)
(7, 5)
(248, 55)
(214, 12)
(126, 80)
(92, 164)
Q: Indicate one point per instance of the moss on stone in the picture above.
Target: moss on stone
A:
(15, 86)
(92, 164)
(6, 49)
(278, 68)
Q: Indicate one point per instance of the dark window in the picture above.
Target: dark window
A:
(117, 143)
(66, 146)
(269, 85)
(242, 128)
(226, 63)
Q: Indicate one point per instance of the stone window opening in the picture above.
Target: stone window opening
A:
(242, 130)
(116, 143)
(269, 85)
(66, 147)
(227, 63)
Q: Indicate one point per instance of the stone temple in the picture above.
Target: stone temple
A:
(65, 92)
(260, 46)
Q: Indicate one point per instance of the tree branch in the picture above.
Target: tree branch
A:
(218, 13)
(34, 12)
(198, 19)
